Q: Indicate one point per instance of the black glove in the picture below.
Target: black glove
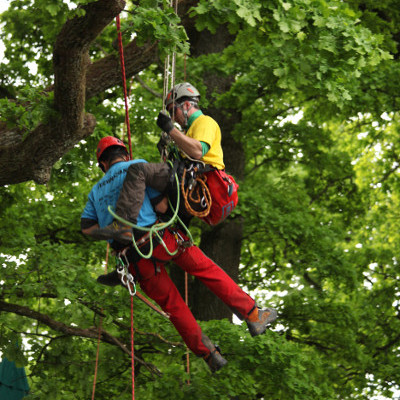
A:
(164, 122)
(161, 145)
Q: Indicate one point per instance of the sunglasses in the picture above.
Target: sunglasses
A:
(172, 110)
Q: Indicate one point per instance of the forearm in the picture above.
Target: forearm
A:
(88, 226)
(190, 146)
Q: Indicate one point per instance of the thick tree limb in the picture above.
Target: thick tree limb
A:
(76, 80)
(33, 158)
(91, 332)
(106, 72)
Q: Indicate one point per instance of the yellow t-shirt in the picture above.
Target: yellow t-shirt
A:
(205, 129)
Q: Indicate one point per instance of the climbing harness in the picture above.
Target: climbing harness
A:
(155, 229)
(190, 172)
(207, 192)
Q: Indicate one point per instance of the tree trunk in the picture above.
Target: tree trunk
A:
(223, 242)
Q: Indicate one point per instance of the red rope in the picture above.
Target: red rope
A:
(132, 352)
(186, 274)
(121, 58)
(187, 349)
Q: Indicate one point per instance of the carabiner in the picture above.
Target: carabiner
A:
(126, 277)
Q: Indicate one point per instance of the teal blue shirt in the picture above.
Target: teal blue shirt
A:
(106, 192)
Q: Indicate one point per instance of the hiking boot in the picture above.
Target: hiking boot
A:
(117, 231)
(214, 360)
(110, 279)
(259, 319)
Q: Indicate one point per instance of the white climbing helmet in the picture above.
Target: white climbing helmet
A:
(180, 91)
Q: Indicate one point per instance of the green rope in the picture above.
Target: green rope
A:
(174, 148)
(176, 216)
(182, 224)
(154, 229)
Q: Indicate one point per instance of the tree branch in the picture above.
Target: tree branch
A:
(148, 88)
(76, 80)
(91, 332)
(32, 158)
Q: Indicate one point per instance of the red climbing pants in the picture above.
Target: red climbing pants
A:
(157, 284)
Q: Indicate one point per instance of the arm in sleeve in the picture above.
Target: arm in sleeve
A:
(140, 176)
(89, 219)
(205, 130)
(204, 147)
(191, 146)
(88, 226)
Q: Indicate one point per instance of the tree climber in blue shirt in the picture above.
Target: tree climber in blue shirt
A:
(151, 273)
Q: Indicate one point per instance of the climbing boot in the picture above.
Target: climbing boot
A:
(214, 360)
(110, 279)
(259, 319)
(117, 231)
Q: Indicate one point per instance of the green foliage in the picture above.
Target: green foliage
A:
(278, 370)
(210, 15)
(307, 49)
(33, 107)
(155, 20)
(30, 29)
(315, 84)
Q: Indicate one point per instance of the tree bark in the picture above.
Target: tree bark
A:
(223, 242)
(77, 80)
(23, 159)
(31, 155)
(67, 330)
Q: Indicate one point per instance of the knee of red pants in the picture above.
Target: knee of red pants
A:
(163, 291)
